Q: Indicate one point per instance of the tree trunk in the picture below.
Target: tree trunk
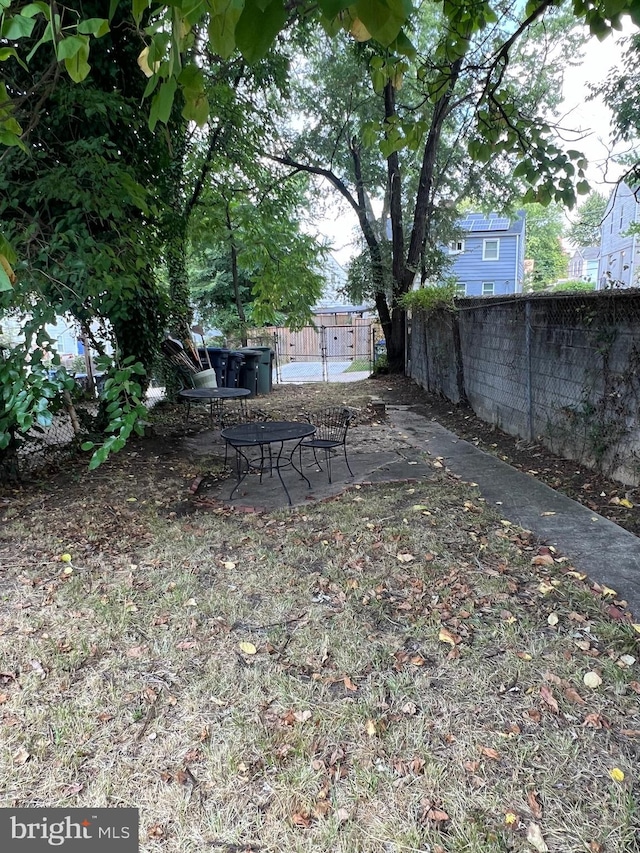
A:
(175, 227)
(10, 462)
(181, 316)
(236, 281)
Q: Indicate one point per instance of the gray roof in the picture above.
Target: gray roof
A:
(589, 253)
(341, 309)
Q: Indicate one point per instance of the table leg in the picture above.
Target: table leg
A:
(240, 456)
(298, 446)
(284, 485)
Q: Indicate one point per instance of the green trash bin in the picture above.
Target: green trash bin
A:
(265, 369)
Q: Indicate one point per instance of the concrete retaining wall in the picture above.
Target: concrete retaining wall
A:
(560, 369)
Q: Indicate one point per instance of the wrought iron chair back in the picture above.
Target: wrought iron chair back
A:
(241, 413)
(332, 425)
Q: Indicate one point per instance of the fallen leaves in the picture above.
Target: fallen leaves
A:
(349, 685)
(445, 636)
(533, 799)
(290, 717)
(21, 756)
(548, 698)
(535, 839)
(592, 679)
(405, 558)
(432, 812)
(543, 560)
(489, 752)
(247, 648)
(137, 651)
(572, 695)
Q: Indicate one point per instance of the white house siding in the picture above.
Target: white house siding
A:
(619, 262)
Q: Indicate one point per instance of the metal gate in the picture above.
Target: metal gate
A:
(323, 353)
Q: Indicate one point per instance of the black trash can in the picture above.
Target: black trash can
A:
(235, 360)
(265, 370)
(218, 357)
(249, 370)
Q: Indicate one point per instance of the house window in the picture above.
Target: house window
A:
(456, 247)
(488, 288)
(490, 250)
(461, 289)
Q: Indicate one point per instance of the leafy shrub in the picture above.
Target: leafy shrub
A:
(30, 391)
(432, 298)
(576, 285)
(122, 398)
(380, 365)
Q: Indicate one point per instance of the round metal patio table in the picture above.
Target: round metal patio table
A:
(267, 437)
(216, 398)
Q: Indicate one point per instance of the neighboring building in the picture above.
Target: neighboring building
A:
(619, 262)
(583, 264)
(488, 257)
(335, 278)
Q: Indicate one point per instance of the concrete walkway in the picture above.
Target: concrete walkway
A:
(297, 372)
(606, 552)
(609, 554)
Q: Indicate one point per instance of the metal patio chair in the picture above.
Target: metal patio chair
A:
(331, 426)
(241, 413)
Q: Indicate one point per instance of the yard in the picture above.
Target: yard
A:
(396, 669)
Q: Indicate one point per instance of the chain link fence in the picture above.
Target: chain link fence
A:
(48, 446)
(562, 369)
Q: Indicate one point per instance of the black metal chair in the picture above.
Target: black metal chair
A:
(331, 426)
(240, 414)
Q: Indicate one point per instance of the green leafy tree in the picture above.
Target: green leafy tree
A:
(585, 228)
(619, 92)
(79, 209)
(255, 265)
(544, 228)
(408, 131)
(171, 28)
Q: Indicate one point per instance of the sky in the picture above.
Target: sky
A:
(589, 117)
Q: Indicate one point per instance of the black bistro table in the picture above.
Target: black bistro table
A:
(216, 398)
(270, 437)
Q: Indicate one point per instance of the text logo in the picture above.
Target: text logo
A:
(37, 830)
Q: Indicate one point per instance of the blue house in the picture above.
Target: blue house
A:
(488, 257)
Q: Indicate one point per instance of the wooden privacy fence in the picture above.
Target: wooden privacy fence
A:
(320, 352)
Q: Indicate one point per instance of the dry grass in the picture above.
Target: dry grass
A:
(357, 725)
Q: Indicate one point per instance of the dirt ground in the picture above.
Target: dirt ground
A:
(395, 669)
(165, 446)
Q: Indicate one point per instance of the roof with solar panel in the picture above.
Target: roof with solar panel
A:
(476, 223)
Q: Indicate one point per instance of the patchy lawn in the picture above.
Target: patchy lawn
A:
(395, 670)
